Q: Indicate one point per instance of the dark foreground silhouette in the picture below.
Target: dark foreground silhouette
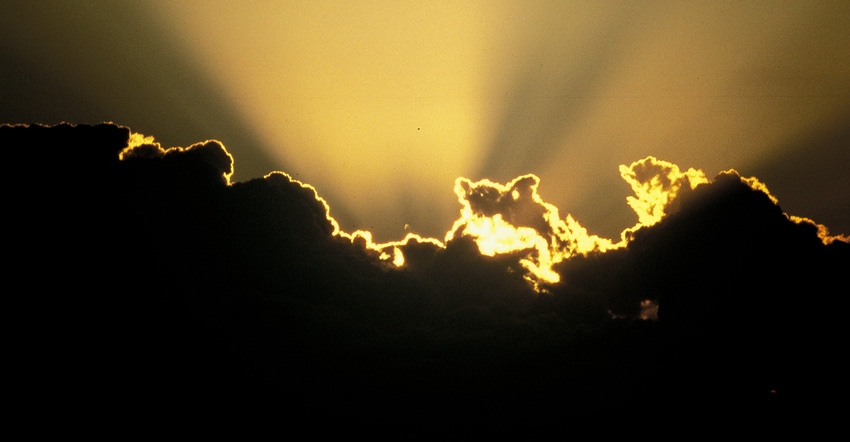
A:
(150, 288)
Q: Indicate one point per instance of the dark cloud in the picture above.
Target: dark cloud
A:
(515, 203)
(817, 161)
(144, 279)
(115, 61)
(740, 290)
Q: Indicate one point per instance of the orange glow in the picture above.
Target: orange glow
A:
(823, 231)
(656, 183)
(137, 139)
(373, 101)
(649, 310)
(755, 184)
(389, 252)
(380, 103)
(502, 219)
(533, 225)
(140, 145)
(513, 218)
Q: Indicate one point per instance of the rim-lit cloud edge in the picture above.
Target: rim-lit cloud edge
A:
(252, 286)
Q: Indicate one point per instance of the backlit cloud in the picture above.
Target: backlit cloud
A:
(513, 217)
(656, 183)
(391, 102)
(178, 286)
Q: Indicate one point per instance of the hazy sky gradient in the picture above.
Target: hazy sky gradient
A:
(381, 105)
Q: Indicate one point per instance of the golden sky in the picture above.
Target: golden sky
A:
(287, 157)
(382, 105)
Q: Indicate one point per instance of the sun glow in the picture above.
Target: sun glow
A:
(656, 183)
(514, 218)
(502, 219)
(381, 103)
(823, 232)
(143, 146)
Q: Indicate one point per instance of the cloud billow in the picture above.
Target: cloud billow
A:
(174, 285)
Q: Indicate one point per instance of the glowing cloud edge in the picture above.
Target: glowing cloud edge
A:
(656, 183)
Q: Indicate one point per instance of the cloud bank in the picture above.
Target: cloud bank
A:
(146, 277)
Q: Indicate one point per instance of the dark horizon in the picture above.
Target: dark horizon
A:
(146, 278)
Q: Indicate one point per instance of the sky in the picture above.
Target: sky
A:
(437, 216)
(383, 105)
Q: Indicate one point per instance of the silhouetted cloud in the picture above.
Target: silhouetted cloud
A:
(656, 183)
(514, 218)
(145, 277)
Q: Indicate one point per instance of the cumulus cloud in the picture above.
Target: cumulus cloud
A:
(514, 218)
(656, 184)
(175, 285)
